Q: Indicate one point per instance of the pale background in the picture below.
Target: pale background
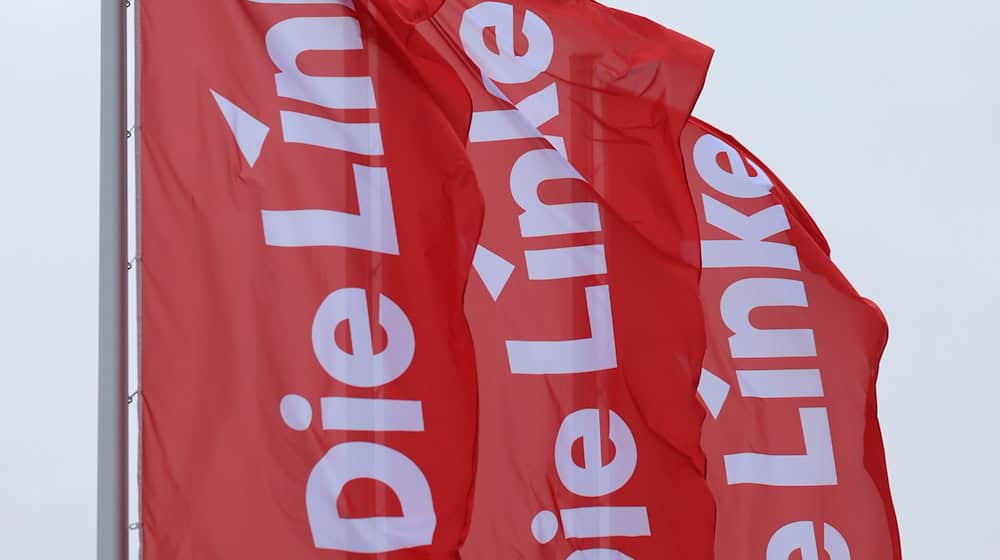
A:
(882, 115)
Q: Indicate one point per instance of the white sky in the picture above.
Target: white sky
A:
(883, 116)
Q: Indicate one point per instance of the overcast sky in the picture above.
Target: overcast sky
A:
(882, 115)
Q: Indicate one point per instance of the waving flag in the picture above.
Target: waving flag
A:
(441, 279)
(584, 307)
(794, 450)
(309, 220)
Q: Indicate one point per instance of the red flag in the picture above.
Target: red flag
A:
(585, 315)
(794, 450)
(309, 219)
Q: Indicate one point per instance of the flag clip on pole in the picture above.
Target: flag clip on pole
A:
(112, 446)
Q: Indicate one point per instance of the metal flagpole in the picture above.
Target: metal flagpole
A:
(112, 445)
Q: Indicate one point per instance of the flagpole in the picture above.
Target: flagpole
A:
(112, 445)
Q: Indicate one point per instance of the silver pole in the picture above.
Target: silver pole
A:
(112, 427)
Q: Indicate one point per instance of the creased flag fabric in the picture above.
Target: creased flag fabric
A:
(463, 279)
(793, 445)
(309, 218)
(584, 305)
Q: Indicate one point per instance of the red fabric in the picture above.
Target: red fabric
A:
(783, 511)
(623, 89)
(227, 319)
(589, 304)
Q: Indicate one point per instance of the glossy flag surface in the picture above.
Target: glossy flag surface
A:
(309, 219)
(794, 450)
(584, 306)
